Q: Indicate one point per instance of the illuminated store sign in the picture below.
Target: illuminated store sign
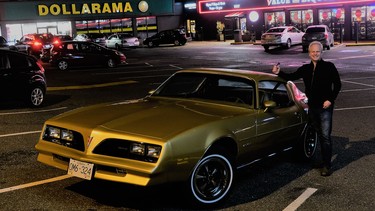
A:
(210, 6)
(25, 10)
(93, 8)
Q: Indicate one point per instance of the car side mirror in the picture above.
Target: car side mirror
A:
(269, 104)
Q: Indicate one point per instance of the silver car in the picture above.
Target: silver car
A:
(121, 40)
(285, 36)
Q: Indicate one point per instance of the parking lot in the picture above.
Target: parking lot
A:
(277, 183)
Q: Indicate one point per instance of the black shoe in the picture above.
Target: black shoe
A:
(325, 172)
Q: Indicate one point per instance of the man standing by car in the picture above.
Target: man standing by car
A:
(322, 85)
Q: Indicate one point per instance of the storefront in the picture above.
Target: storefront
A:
(348, 19)
(141, 18)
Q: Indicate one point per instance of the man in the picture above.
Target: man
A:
(322, 85)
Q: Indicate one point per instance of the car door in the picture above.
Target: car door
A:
(93, 54)
(14, 69)
(112, 40)
(277, 126)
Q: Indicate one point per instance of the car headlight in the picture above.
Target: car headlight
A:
(151, 151)
(137, 148)
(52, 132)
(67, 135)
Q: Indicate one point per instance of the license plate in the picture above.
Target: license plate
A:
(80, 169)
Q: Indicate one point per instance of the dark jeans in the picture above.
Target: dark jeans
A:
(321, 119)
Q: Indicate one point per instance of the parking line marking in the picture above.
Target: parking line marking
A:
(20, 133)
(354, 108)
(362, 84)
(41, 182)
(30, 112)
(90, 86)
(302, 198)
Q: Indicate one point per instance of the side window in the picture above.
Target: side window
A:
(4, 62)
(229, 89)
(18, 61)
(274, 91)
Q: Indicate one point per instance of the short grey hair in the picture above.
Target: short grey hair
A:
(316, 43)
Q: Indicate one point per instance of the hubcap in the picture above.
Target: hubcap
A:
(37, 96)
(212, 179)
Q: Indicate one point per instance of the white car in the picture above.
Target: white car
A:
(285, 36)
(121, 40)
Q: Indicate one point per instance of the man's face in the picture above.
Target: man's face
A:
(315, 53)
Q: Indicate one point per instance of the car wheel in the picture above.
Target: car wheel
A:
(111, 63)
(176, 42)
(36, 96)
(266, 48)
(309, 144)
(328, 47)
(62, 65)
(304, 49)
(150, 44)
(288, 43)
(211, 179)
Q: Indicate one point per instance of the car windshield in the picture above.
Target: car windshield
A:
(276, 30)
(208, 86)
(315, 29)
(44, 37)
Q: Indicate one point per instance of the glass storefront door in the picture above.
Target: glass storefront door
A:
(363, 23)
(335, 19)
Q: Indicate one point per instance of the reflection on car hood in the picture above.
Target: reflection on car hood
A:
(146, 117)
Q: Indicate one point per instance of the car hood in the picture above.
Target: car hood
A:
(157, 118)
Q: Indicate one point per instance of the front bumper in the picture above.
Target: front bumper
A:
(105, 167)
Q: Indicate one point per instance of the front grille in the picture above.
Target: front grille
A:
(120, 148)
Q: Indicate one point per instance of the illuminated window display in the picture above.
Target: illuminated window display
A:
(273, 19)
(301, 19)
(364, 18)
(334, 19)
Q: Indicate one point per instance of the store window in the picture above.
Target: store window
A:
(16, 31)
(146, 26)
(273, 19)
(334, 18)
(363, 22)
(301, 19)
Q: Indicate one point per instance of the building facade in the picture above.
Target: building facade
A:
(347, 19)
(142, 18)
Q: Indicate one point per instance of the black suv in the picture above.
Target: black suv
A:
(22, 77)
(35, 44)
(174, 36)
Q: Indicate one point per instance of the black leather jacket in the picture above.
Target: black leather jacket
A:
(320, 85)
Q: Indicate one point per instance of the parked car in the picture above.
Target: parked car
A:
(285, 36)
(80, 53)
(62, 37)
(22, 78)
(174, 36)
(198, 127)
(35, 44)
(121, 40)
(57, 39)
(319, 33)
(98, 38)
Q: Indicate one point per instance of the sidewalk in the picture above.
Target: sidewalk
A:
(348, 43)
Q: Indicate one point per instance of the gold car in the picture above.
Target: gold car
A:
(199, 126)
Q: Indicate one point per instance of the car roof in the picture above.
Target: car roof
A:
(314, 26)
(255, 75)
